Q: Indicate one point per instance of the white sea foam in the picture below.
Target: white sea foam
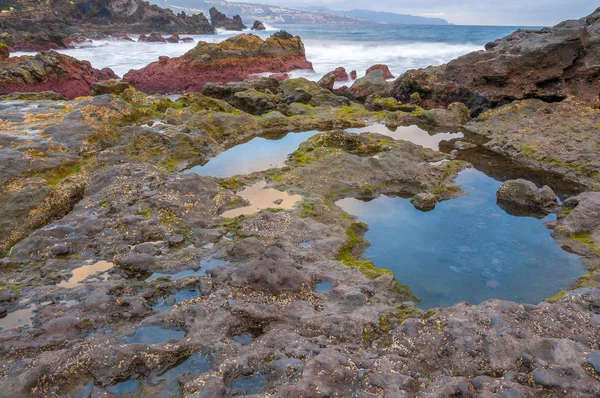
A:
(325, 55)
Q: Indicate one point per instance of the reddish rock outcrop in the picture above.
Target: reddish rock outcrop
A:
(340, 74)
(353, 75)
(50, 71)
(384, 68)
(548, 64)
(153, 38)
(234, 59)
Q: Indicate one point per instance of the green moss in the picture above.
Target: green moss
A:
(105, 203)
(170, 164)
(307, 208)
(230, 182)
(403, 291)
(354, 244)
(302, 156)
(55, 176)
(3, 45)
(566, 211)
(557, 297)
(588, 280)
(146, 213)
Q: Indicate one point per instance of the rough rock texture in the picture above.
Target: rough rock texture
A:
(50, 71)
(549, 64)
(234, 59)
(340, 74)
(4, 52)
(308, 92)
(327, 81)
(584, 217)
(384, 68)
(525, 194)
(56, 24)
(560, 137)
(372, 83)
(220, 20)
(258, 26)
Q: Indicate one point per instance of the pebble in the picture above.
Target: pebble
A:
(492, 284)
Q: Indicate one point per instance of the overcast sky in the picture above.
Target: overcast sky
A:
(467, 12)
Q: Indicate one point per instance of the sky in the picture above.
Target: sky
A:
(466, 12)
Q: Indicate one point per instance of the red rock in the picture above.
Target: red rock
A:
(384, 68)
(342, 91)
(353, 75)
(234, 59)
(340, 74)
(187, 39)
(153, 38)
(173, 39)
(50, 71)
(280, 76)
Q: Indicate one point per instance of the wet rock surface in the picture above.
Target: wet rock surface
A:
(234, 59)
(526, 195)
(220, 20)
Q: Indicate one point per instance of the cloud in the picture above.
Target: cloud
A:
(476, 12)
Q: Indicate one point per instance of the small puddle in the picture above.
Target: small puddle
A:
(125, 387)
(154, 335)
(244, 338)
(18, 318)
(248, 385)
(413, 134)
(258, 154)
(81, 273)
(195, 364)
(170, 301)
(261, 198)
(323, 287)
(467, 249)
(204, 266)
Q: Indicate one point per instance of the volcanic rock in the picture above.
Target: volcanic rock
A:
(50, 71)
(258, 26)
(234, 59)
(220, 20)
(525, 194)
(548, 64)
(384, 68)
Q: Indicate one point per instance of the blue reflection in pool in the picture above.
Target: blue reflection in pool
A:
(467, 249)
(257, 154)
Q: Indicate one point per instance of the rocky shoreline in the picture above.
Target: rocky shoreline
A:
(121, 276)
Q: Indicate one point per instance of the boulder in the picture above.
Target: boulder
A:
(548, 64)
(584, 216)
(373, 83)
(112, 86)
(258, 26)
(220, 21)
(270, 276)
(136, 262)
(340, 74)
(353, 75)
(327, 81)
(228, 90)
(254, 102)
(425, 201)
(234, 59)
(174, 39)
(152, 38)
(526, 195)
(296, 90)
(50, 71)
(384, 68)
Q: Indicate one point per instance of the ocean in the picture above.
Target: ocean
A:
(401, 47)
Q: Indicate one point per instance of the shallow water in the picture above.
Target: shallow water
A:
(154, 335)
(124, 387)
(195, 364)
(261, 198)
(248, 385)
(413, 134)
(205, 265)
(266, 153)
(323, 287)
(18, 318)
(81, 273)
(244, 338)
(165, 304)
(467, 249)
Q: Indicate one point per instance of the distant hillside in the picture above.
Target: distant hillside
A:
(266, 13)
(382, 16)
(390, 17)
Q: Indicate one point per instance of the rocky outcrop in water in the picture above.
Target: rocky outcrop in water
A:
(526, 195)
(384, 68)
(221, 21)
(54, 25)
(549, 64)
(50, 71)
(258, 26)
(234, 59)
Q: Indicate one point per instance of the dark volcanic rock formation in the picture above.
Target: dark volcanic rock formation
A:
(258, 26)
(547, 64)
(220, 20)
(50, 25)
(50, 71)
(234, 59)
